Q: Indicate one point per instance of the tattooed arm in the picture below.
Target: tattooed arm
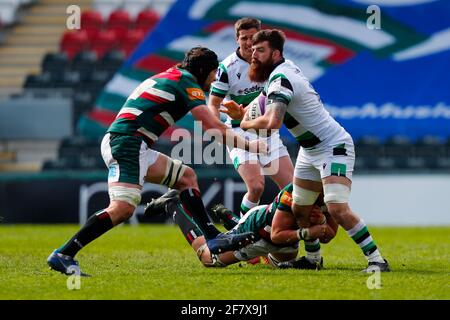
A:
(272, 119)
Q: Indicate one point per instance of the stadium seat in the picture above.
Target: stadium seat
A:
(78, 152)
(106, 7)
(443, 163)
(364, 163)
(429, 146)
(132, 40)
(84, 60)
(39, 81)
(91, 23)
(72, 42)
(367, 146)
(82, 102)
(146, 20)
(84, 145)
(112, 61)
(388, 163)
(91, 19)
(55, 62)
(84, 63)
(119, 32)
(100, 77)
(64, 79)
(104, 42)
(398, 146)
(135, 6)
(119, 18)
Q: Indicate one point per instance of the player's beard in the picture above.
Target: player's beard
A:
(260, 71)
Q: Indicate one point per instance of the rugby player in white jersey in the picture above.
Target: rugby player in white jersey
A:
(232, 84)
(326, 157)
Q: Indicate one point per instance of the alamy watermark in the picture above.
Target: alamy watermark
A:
(374, 20)
(73, 282)
(374, 280)
(73, 21)
(205, 147)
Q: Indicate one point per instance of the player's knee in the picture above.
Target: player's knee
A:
(339, 211)
(124, 201)
(120, 211)
(256, 188)
(303, 197)
(208, 259)
(188, 180)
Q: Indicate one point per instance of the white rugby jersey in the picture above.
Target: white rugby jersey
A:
(306, 118)
(232, 82)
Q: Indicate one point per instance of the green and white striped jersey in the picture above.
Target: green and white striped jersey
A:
(232, 82)
(260, 218)
(306, 118)
(157, 103)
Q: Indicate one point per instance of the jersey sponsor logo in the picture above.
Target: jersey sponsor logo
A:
(286, 199)
(195, 94)
(253, 89)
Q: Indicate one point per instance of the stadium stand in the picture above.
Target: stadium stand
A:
(45, 58)
(77, 62)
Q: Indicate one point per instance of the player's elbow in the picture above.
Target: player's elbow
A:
(277, 237)
(274, 123)
(329, 235)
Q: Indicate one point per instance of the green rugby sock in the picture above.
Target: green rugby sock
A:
(360, 234)
(246, 205)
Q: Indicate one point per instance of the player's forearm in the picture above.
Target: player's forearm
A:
(272, 119)
(226, 135)
(258, 123)
(284, 237)
(214, 105)
(214, 111)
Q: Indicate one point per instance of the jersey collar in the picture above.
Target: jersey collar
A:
(239, 55)
(279, 62)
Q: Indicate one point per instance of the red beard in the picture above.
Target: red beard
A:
(260, 72)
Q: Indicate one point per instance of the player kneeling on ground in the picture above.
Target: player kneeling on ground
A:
(281, 248)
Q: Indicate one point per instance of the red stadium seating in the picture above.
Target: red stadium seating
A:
(146, 20)
(119, 32)
(119, 18)
(91, 19)
(92, 22)
(116, 33)
(132, 39)
(73, 42)
(104, 42)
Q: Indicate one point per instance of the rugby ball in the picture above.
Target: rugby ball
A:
(257, 107)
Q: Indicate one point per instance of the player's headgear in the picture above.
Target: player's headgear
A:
(200, 61)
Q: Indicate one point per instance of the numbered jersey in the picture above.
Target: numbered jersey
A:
(306, 118)
(232, 82)
(157, 103)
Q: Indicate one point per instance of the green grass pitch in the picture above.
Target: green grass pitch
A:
(155, 262)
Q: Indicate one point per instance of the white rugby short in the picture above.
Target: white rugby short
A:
(127, 158)
(276, 148)
(336, 158)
